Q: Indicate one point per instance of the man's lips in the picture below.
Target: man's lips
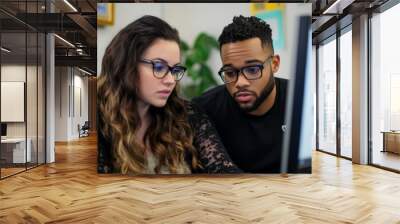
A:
(244, 96)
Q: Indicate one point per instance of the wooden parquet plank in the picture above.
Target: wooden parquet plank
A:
(70, 191)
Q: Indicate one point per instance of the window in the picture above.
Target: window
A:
(327, 97)
(346, 94)
(385, 88)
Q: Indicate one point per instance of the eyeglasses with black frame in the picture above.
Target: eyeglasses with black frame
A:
(251, 72)
(161, 69)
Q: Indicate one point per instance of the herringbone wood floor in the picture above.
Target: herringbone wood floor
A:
(70, 191)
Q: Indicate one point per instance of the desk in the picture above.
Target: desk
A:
(391, 141)
(16, 147)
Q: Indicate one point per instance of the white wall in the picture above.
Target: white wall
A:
(192, 18)
(61, 103)
(125, 13)
(13, 73)
(80, 84)
(68, 83)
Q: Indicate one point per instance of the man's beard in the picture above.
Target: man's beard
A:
(267, 90)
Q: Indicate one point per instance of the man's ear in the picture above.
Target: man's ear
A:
(276, 61)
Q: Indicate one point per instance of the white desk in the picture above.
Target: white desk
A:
(18, 148)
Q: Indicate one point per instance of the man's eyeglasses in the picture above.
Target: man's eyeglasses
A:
(251, 72)
(161, 69)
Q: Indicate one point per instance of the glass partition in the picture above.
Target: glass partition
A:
(22, 89)
(14, 153)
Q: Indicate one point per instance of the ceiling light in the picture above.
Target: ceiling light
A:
(5, 49)
(84, 71)
(331, 7)
(65, 41)
(70, 5)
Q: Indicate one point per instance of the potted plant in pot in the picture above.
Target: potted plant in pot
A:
(195, 59)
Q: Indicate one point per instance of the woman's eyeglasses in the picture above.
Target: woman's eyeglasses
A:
(161, 69)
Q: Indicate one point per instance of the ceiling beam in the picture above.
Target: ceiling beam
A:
(81, 61)
(84, 24)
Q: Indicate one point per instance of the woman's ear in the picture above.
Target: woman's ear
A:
(276, 60)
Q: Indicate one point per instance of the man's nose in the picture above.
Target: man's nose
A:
(242, 81)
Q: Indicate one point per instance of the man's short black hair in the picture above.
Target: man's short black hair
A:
(243, 28)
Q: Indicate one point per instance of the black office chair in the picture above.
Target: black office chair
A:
(84, 130)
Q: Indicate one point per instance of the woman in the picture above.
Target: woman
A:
(144, 127)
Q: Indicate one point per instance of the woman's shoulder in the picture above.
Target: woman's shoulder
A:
(192, 109)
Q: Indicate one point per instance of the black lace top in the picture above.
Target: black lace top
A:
(211, 152)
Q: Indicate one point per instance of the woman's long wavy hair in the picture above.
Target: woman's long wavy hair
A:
(169, 135)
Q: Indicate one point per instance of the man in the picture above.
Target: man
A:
(249, 110)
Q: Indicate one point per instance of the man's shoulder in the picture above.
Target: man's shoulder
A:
(282, 82)
(215, 91)
(211, 96)
(282, 85)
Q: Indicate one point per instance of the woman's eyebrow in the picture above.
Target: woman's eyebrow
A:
(163, 60)
(159, 59)
(179, 63)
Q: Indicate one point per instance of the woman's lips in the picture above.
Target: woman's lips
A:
(164, 93)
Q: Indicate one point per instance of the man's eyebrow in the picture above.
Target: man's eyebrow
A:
(227, 65)
(247, 62)
(253, 61)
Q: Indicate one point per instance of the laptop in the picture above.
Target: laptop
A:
(297, 140)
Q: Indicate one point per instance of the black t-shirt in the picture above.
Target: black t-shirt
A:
(253, 142)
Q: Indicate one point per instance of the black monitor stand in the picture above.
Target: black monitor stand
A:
(3, 130)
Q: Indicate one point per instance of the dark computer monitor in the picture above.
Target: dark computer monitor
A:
(297, 139)
(3, 129)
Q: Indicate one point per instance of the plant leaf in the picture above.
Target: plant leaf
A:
(184, 46)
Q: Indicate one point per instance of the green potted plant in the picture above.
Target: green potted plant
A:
(195, 59)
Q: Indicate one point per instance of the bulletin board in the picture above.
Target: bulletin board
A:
(273, 14)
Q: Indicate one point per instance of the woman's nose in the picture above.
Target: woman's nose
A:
(169, 78)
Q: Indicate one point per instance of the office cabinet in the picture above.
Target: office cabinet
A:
(391, 142)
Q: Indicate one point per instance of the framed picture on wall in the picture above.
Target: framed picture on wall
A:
(105, 14)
